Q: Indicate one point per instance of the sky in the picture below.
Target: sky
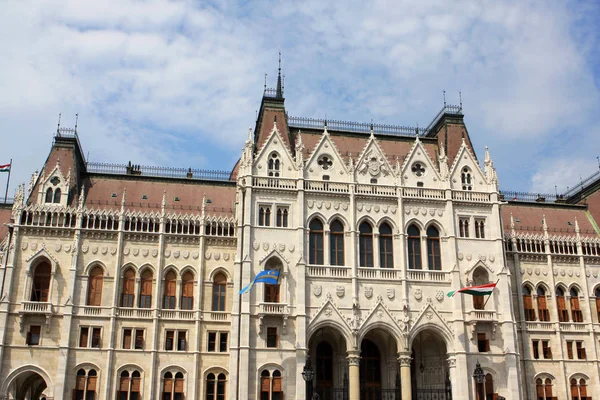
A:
(178, 83)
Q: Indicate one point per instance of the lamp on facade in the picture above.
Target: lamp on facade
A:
(479, 377)
(308, 374)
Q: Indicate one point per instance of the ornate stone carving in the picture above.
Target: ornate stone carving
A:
(145, 252)
(492, 258)
(137, 251)
(317, 290)
(255, 245)
(282, 247)
(34, 246)
(217, 256)
(439, 295)
(58, 247)
(113, 251)
(391, 293)
(225, 256)
(207, 255)
(418, 294)
(340, 291)
(291, 248)
(468, 257)
(155, 253)
(460, 256)
(265, 246)
(368, 292)
(195, 255)
(185, 254)
(126, 251)
(537, 271)
(176, 254)
(24, 246)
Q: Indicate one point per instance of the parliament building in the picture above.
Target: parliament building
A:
(121, 281)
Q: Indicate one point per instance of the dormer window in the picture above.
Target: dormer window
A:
(274, 165)
(466, 179)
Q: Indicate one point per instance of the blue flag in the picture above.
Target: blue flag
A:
(270, 277)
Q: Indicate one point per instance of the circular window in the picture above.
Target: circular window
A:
(325, 163)
(418, 169)
(55, 181)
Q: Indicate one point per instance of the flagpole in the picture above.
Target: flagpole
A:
(8, 181)
(490, 294)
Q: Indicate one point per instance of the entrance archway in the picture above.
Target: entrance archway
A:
(379, 373)
(28, 385)
(328, 351)
(429, 367)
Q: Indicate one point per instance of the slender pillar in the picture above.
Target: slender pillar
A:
(354, 373)
(405, 380)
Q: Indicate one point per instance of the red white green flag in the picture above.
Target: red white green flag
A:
(5, 168)
(483, 290)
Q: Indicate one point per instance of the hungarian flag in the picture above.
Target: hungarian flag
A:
(5, 168)
(483, 290)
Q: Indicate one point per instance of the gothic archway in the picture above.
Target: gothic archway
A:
(328, 352)
(28, 385)
(429, 367)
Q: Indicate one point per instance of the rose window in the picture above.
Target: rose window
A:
(418, 169)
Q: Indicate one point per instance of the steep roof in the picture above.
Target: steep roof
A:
(5, 214)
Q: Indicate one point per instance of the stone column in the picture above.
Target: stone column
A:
(354, 375)
(405, 380)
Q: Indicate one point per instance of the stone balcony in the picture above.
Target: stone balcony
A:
(273, 310)
(179, 315)
(540, 326)
(135, 313)
(35, 308)
(481, 316)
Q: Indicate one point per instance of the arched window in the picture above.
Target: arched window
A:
(56, 196)
(434, 255)
(49, 196)
(598, 302)
(466, 179)
(146, 289)
(480, 277)
(414, 247)
(366, 244)
(489, 386)
(170, 290)
(85, 385)
(543, 389)
(128, 289)
(274, 165)
(173, 389)
(315, 242)
(563, 313)
(386, 250)
(528, 304)
(579, 389)
(219, 292)
(215, 387)
(271, 292)
(576, 313)
(40, 290)
(129, 385)
(543, 313)
(96, 280)
(187, 291)
(271, 387)
(336, 243)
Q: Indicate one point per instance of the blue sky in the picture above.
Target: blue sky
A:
(178, 83)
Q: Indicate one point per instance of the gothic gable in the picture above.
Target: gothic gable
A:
(373, 165)
(329, 315)
(380, 316)
(274, 158)
(429, 318)
(54, 187)
(326, 160)
(419, 169)
(465, 173)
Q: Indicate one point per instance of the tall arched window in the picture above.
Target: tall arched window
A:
(95, 284)
(414, 247)
(271, 292)
(528, 304)
(579, 389)
(170, 290)
(386, 249)
(480, 277)
(366, 244)
(146, 289)
(489, 386)
(85, 385)
(543, 389)
(128, 289)
(434, 255)
(274, 165)
(129, 385)
(219, 292)
(576, 313)
(543, 313)
(187, 291)
(598, 302)
(173, 388)
(215, 387)
(49, 196)
(466, 179)
(563, 313)
(315, 242)
(271, 387)
(56, 196)
(40, 290)
(336, 243)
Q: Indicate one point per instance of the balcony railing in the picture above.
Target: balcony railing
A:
(379, 273)
(421, 193)
(326, 186)
(540, 326)
(94, 311)
(467, 195)
(428, 276)
(573, 326)
(317, 271)
(481, 315)
(142, 313)
(376, 190)
(220, 316)
(36, 307)
(275, 183)
(274, 309)
(182, 315)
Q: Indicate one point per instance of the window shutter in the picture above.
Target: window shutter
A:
(83, 337)
(265, 385)
(277, 387)
(574, 392)
(135, 384)
(583, 355)
(583, 392)
(127, 339)
(527, 302)
(487, 345)
(74, 394)
(80, 383)
(548, 391)
(179, 385)
(560, 301)
(540, 391)
(542, 303)
(92, 383)
(574, 303)
(167, 385)
(124, 385)
(570, 350)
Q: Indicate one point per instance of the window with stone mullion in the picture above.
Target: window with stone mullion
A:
(336, 243)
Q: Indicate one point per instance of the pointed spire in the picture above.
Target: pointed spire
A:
(124, 197)
(164, 199)
(512, 222)
(325, 132)
(487, 154)
(544, 224)
(81, 197)
(576, 225)
(249, 138)
(279, 93)
(76, 121)
(372, 131)
(58, 126)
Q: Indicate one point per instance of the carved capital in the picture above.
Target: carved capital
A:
(404, 359)
(353, 358)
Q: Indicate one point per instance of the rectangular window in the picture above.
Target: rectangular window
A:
(84, 336)
(169, 337)
(139, 339)
(483, 345)
(570, 350)
(546, 351)
(463, 225)
(272, 339)
(33, 336)
(536, 349)
(181, 341)
(223, 342)
(282, 217)
(480, 228)
(127, 338)
(580, 350)
(212, 341)
(96, 337)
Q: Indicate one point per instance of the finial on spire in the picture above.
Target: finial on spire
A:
(576, 225)
(265, 82)
(372, 131)
(58, 127)
(124, 197)
(460, 99)
(76, 121)
(164, 199)
(249, 139)
(81, 196)
(512, 221)
(487, 154)
(444, 98)
(544, 224)
(279, 93)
